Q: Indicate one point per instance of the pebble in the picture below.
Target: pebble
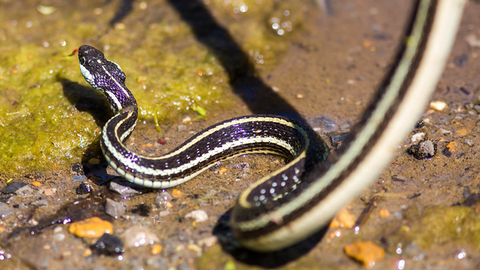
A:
(36, 183)
(49, 191)
(5, 210)
(444, 131)
(77, 168)
(114, 209)
(162, 199)
(208, 242)
(472, 40)
(79, 178)
(123, 190)
(365, 252)
(337, 138)
(438, 105)
(384, 213)
(40, 203)
(177, 193)
(164, 213)
(83, 188)
(109, 245)
(418, 137)
(186, 120)
(194, 248)
(198, 215)
(343, 219)
(25, 191)
(58, 236)
(462, 132)
(156, 249)
(13, 187)
(461, 60)
(335, 234)
(423, 150)
(91, 228)
(138, 236)
(181, 128)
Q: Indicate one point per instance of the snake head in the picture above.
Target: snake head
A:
(99, 72)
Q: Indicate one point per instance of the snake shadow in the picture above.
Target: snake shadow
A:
(260, 99)
(258, 96)
(89, 100)
(273, 259)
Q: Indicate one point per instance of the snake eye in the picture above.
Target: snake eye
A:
(82, 60)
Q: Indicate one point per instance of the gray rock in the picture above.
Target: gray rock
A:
(5, 210)
(114, 209)
(123, 190)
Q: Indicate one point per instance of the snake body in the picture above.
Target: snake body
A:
(295, 201)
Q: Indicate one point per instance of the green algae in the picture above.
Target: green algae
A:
(438, 225)
(167, 69)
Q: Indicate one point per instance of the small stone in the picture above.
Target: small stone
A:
(300, 96)
(5, 210)
(384, 213)
(463, 132)
(343, 219)
(198, 215)
(365, 252)
(36, 183)
(91, 228)
(477, 108)
(109, 245)
(77, 168)
(87, 252)
(79, 178)
(208, 242)
(335, 234)
(337, 138)
(49, 191)
(181, 128)
(137, 236)
(450, 148)
(164, 213)
(418, 137)
(194, 248)
(114, 209)
(422, 150)
(472, 40)
(25, 191)
(123, 190)
(58, 236)
(461, 60)
(40, 203)
(444, 131)
(469, 142)
(83, 188)
(177, 193)
(438, 105)
(186, 120)
(162, 198)
(13, 187)
(156, 249)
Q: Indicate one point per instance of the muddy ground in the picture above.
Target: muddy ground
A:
(326, 76)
